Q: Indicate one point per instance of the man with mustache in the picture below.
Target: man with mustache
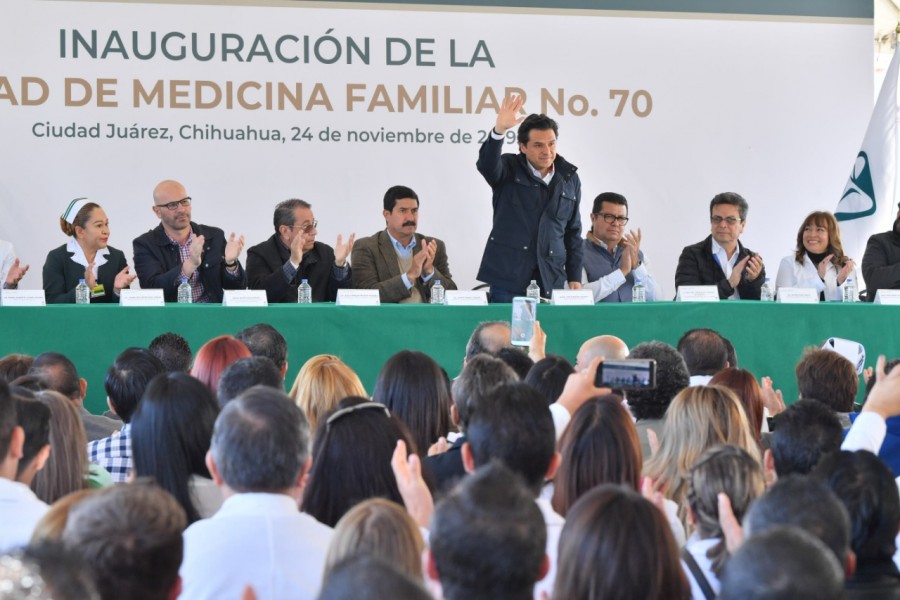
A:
(881, 262)
(401, 264)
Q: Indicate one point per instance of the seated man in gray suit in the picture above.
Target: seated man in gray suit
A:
(400, 263)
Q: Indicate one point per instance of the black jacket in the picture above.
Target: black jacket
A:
(881, 263)
(696, 266)
(265, 271)
(61, 275)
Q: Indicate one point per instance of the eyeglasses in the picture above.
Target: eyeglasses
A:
(729, 220)
(186, 201)
(610, 218)
(351, 409)
(306, 228)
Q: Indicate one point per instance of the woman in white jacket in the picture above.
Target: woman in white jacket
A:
(819, 261)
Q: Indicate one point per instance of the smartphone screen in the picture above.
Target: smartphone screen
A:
(524, 311)
(629, 374)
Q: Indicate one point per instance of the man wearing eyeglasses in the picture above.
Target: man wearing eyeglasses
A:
(292, 254)
(179, 248)
(721, 259)
(612, 256)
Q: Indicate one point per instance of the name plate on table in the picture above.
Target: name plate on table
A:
(466, 297)
(23, 298)
(347, 297)
(887, 297)
(697, 293)
(793, 295)
(141, 297)
(245, 298)
(572, 298)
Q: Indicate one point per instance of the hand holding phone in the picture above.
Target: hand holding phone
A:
(628, 374)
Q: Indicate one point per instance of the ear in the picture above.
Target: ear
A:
(544, 569)
(16, 444)
(213, 469)
(176, 589)
(82, 383)
(467, 458)
(454, 414)
(42, 456)
(303, 477)
(554, 466)
(386, 213)
(431, 567)
(521, 147)
(109, 405)
(851, 564)
(284, 369)
(769, 466)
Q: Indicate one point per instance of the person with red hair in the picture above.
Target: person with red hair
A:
(214, 356)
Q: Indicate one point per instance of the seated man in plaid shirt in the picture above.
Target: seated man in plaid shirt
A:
(125, 382)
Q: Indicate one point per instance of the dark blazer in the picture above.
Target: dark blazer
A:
(265, 271)
(447, 467)
(158, 264)
(375, 266)
(881, 263)
(696, 266)
(61, 275)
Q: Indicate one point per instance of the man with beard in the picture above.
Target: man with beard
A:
(881, 262)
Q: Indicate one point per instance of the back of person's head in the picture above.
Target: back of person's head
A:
(600, 445)
(828, 377)
(549, 376)
(66, 468)
(14, 365)
(243, 374)
(264, 340)
(727, 469)
(357, 440)
(365, 577)
(477, 380)
(8, 420)
(803, 433)
(127, 378)
(615, 529)
(866, 487)
(746, 388)
(412, 385)
(214, 356)
(704, 351)
(380, 529)
(784, 563)
(514, 426)
(130, 535)
(323, 381)
(260, 442)
(488, 537)
(34, 419)
(609, 347)
(671, 377)
(30, 382)
(47, 571)
(50, 527)
(805, 502)
(171, 432)
(517, 360)
(173, 350)
(59, 372)
(488, 338)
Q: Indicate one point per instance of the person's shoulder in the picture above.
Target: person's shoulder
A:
(324, 250)
(370, 240)
(264, 246)
(885, 237)
(116, 254)
(699, 246)
(152, 235)
(565, 167)
(59, 252)
(208, 231)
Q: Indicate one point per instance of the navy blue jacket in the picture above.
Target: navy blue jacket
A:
(697, 266)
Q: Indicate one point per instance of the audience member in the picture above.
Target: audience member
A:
(549, 376)
(805, 432)
(323, 381)
(890, 448)
(45, 572)
(243, 374)
(365, 577)
(34, 419)
(745, 387)
(214, 356)
(517, 360)
(489, 337)
(264, 340)
(830, 378)
(173, 350)
(50, 527)
(705, 354)
(607, 346)
(13, 366)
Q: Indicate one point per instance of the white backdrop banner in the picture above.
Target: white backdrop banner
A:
(250, 105)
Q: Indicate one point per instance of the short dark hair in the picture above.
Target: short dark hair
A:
(127, 378)
(805, 502)
(364, 577)
(515, 427)
(784, 563)
(173, 350)
(803, 433)
(704, 351)
(612, 198)
(130, 535)
(534, 121)
(398, 192)
(477, 380)
(261, 441)
(8, 419)
(488, 537)
(264, 340)
(549, 376)
(732, 199)
(671, 377)
(284, 212)
(517, 360)
(243, 374)
(866, 487)
(60, 373)
(828, 377)
(34, 419)
(479, 343)
(14, 365)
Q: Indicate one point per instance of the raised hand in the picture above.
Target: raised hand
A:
(845, 271)
(822, 268)
(418, 261)
(123, 280)
(89, 277)
(16, 273)
(771, 398)
(233, 248)
(430, 250)
(508, 115)
(297, 248)
(738, 271)
(342, 250)
(415, 493)
(196, 253)
(754, 266)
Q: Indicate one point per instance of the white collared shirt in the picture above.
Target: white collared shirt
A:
(726, 263)
(78, 256)
(21, 511)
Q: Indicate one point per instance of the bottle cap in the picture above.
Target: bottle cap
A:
(437, 282)
(303, 281)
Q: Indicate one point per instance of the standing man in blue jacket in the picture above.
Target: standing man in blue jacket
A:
(537, 222)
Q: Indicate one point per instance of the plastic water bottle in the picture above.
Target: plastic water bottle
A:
(82, 293)
(437, 293)
(533, 291)
(304, 292)
(765, 293)
(638, 292)
(185, 294)
(849, 293)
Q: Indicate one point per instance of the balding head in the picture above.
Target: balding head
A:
(608, 346)
(488, 338)
(168, 191)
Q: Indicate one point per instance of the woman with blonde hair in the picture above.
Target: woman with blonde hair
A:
(698, 418)
(381, 529)
(323, 381)
(818, 261)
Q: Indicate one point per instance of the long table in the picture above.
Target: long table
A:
(769, 338)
